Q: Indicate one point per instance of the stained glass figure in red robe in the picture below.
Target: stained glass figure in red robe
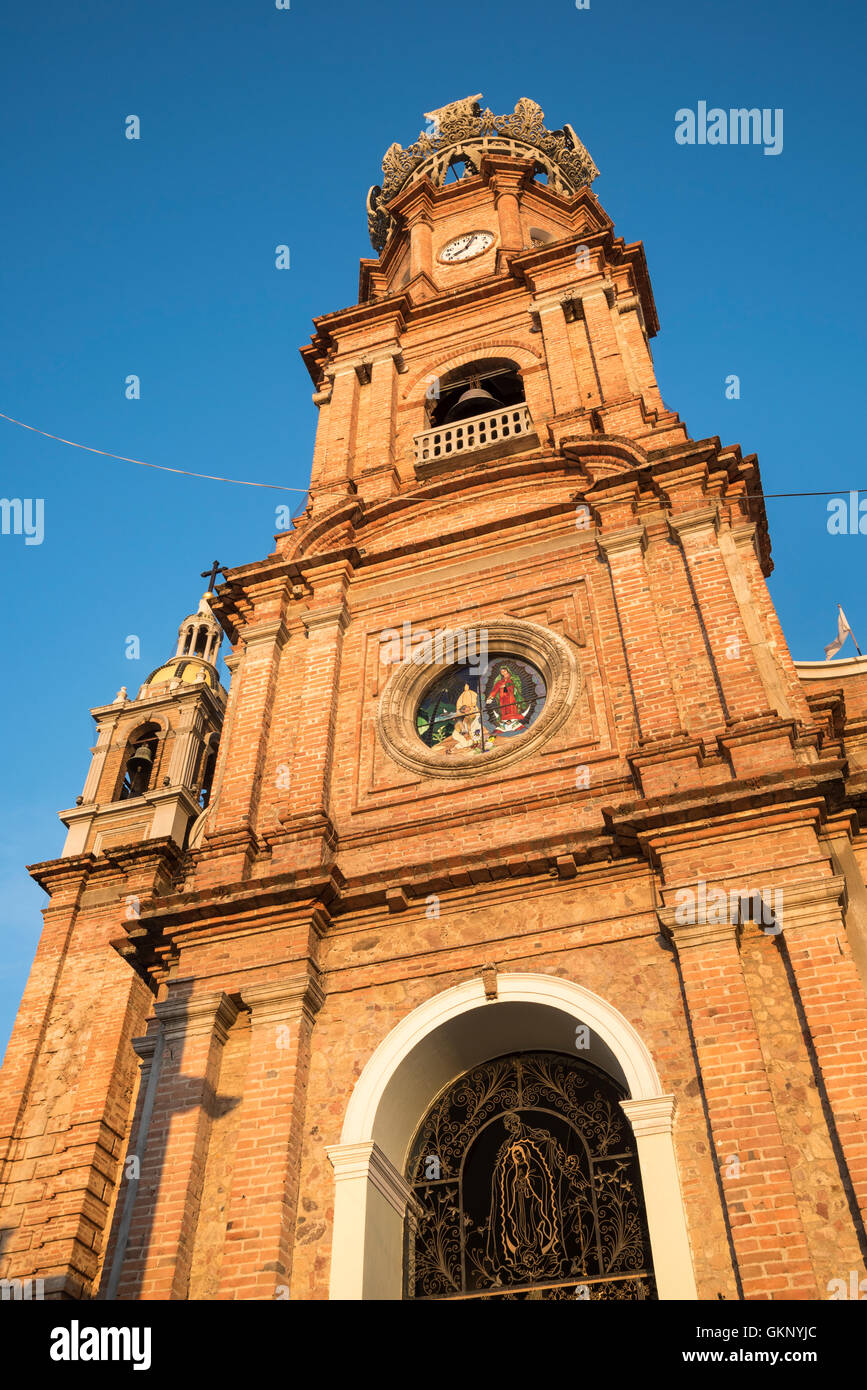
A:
(504, 692)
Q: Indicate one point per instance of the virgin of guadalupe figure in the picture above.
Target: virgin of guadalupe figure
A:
(524, 1226)
(504, 691)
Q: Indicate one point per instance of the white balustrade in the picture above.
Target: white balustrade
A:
(499, 426)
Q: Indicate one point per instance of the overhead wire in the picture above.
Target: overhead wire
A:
(142, 463)
(281, 487)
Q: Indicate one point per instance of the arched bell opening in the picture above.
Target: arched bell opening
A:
(139, 762)
(460, 166)
(546, 173)
(478, 388)
(451, 165)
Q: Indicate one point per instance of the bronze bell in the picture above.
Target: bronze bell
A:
(138, 769)
(474, 401)
(141, 759)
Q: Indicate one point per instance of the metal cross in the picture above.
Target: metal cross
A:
(211, 575)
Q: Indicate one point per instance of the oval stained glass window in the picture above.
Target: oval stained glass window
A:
(476, 708)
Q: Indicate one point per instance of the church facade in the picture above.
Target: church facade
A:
(502, 931)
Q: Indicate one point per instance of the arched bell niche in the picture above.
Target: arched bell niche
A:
(139, 762)
(475, 388)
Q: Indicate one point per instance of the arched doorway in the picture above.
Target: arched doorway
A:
(439, 1042)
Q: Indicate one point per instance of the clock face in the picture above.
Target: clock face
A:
(463, 248)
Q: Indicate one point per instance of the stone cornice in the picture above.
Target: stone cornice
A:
(415, 200)
(570, 293)
(690, 934)
(625, 306)
(687, 523)
(332, 615)
(763, 728)
(505, 174)
(162, 853)
(831, 670)
(182, 694)
(144, 1048)
(368, 356)
(287, 998)
(573, 450)
(619, 542)
(285, 894)
(652, 1116)
(715, 808)
(812, 902)
(354, 1162)
(196, 1015)
(103, 810)
(104, 713)
(271, 633)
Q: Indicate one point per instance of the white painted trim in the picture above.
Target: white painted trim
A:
(586, 1007)
(834, 669)
(652, 1123)
(353, 1161)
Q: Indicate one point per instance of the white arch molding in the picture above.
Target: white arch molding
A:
(446, 1036)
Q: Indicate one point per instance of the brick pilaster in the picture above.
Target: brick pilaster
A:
(633, 338)
(66, 1085)
(727, 636)
(602, 335)
(335, 440)
(767, 1234)
(656, 709)
(378, 477)
(558, 354)
(835, 1006)
(163, 1227)
(310, 792)
(262, 1208)
(253, 690)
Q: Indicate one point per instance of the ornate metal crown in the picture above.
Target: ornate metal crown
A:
(462, 131)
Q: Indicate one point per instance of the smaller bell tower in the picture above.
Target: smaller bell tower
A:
(153, 761)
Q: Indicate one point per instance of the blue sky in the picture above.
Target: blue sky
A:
(262, 127)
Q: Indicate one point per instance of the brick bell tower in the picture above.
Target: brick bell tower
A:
(510, 707)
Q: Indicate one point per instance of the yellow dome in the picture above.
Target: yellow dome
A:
(185, 669)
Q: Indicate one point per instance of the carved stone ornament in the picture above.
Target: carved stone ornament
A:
(550, 653)
(463, 130)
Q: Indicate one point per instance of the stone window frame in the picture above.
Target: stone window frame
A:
(550, 653)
